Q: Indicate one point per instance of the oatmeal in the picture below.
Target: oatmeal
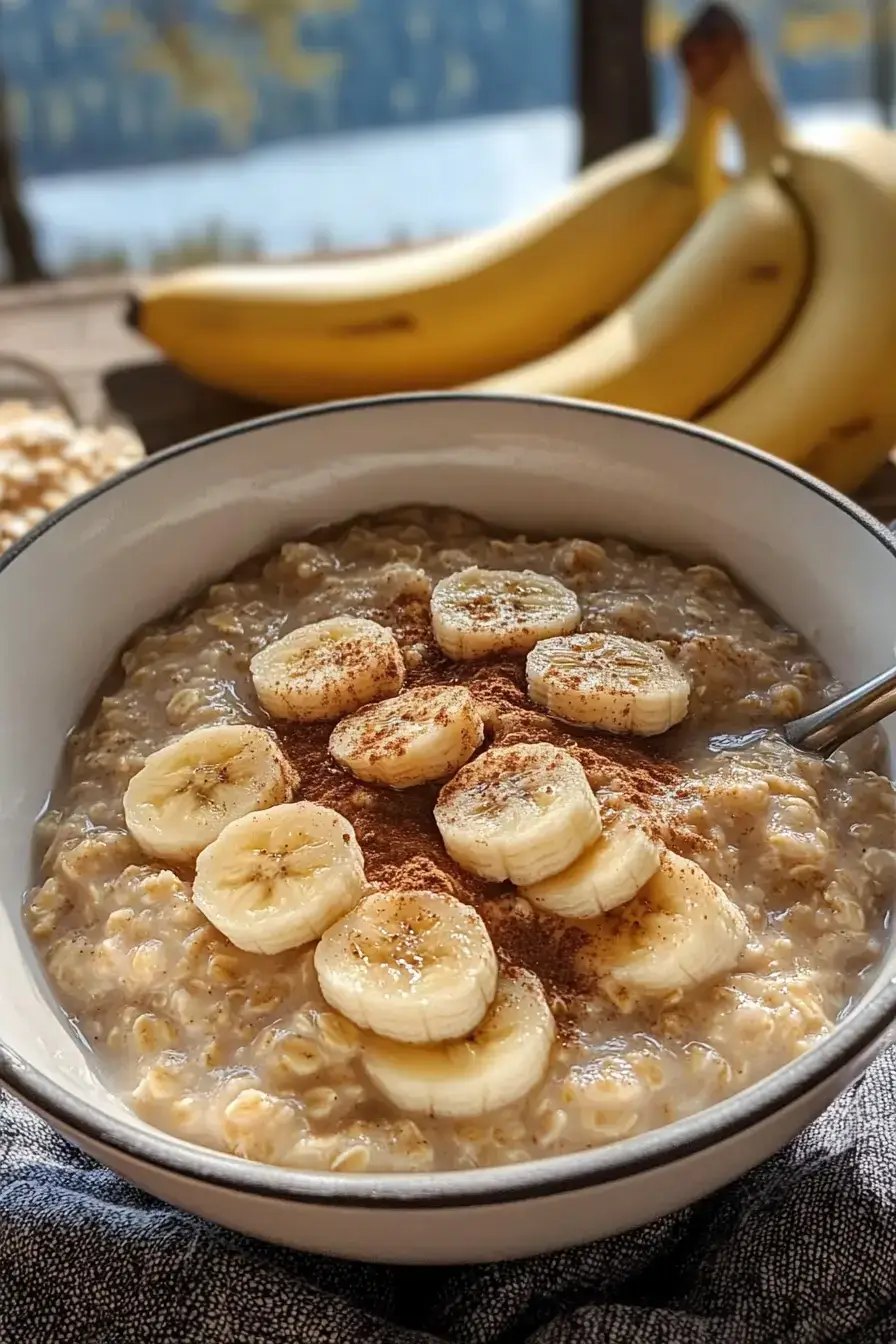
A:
(338, 877)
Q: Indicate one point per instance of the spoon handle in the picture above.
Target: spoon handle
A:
(827, 729)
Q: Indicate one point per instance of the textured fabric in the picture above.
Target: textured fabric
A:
(802, 1250)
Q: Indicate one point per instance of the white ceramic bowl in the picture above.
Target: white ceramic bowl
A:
(77, 587)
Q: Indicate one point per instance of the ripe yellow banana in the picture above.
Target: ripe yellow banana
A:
(701, 323)
(826, 397)
(448, 313)
(860, 446)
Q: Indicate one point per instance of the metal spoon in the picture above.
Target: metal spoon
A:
(825, 730)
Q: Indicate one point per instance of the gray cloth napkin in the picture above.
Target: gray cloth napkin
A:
(802, 1250)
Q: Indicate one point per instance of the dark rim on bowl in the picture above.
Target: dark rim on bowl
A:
(859, 1032)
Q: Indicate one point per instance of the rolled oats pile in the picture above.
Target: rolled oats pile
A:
(46, 460)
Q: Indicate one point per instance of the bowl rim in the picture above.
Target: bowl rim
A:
(540, 1177)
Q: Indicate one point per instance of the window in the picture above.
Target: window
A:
(351, 121)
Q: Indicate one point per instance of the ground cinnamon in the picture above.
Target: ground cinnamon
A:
(402, 846)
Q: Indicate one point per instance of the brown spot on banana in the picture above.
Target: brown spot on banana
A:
(393, 322)
(584, 326)
(764, 270)
(851, 429)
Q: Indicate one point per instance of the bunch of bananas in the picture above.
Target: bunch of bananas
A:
(762, 306)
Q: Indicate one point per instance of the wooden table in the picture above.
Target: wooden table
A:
(76, 327)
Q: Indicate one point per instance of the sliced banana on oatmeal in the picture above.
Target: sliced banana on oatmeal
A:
(188, 791)
(518, 814)
(327, 669)
(679, 932)
(498, 1063)
(277, 879)
(415, 966)
(476, 612)
(609, 873)
(417, 736)
(608, 681)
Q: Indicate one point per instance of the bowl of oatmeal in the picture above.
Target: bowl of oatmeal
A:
(369, 882)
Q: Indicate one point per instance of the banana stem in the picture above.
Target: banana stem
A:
(723, 70)
(696, 153)
(744, 95)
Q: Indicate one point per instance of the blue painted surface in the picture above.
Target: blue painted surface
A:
(80, 104)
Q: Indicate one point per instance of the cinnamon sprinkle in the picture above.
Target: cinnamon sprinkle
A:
(396, 830)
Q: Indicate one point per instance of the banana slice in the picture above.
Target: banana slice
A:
(187, 792)
(607, 681)
(681, 931)
(278, 879)
(327, 669)
(518, 814)
(503, 1059)
(609, 873)
(416, 736)
(411, 965)
(476, 612)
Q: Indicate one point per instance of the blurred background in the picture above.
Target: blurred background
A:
(156, 133)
